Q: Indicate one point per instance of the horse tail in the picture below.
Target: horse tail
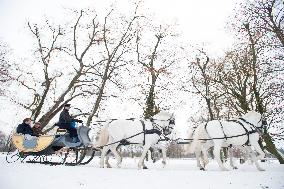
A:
(103, 137)
(198, 133)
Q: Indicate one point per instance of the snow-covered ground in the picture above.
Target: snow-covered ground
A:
(178, 174)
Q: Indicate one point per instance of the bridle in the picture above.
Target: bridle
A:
(255, 127)
(164, 130)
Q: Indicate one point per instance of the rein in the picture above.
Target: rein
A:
(255, 127)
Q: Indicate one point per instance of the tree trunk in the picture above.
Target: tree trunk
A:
(101, 92)
(272, 148)
(151, 108)
(209, 108)
(97, 104)
(60, 102)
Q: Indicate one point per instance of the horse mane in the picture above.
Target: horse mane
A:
(252, 115)
(162, 114)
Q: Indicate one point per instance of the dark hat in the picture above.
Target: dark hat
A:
(67, 105)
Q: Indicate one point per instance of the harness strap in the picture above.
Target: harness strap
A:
(253, 127)
(205, 127)
(246, 130)
(150, 131)
(153, 131)
(223, 130)
(144, 134)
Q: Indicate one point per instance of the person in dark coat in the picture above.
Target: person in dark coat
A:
(66, 121)
(25, 127)
(37, 129)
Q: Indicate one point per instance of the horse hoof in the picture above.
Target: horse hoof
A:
(202, 169)
(235, 168)
(144, 167)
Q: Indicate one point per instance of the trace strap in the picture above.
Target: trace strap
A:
(150, 131)
(223, 130)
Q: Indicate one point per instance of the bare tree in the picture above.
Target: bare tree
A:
(3, 140)
(116, 47)
(267, 16)
(46, 53)
(233, 74)
(97, 55)
(156, 60)
(4, 66)
(246, 80)
(202, 70)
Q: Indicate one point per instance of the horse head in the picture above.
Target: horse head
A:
(256, 119)
(166, 121)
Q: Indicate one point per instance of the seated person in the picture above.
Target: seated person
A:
(37, 129)
(25, 127)
(65, 122)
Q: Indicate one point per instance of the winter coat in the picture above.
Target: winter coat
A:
(65, 120)
(25, 129)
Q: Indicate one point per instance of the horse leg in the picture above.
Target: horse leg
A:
(205, 149)
(104, 152)
(230, 150)
(216, 152)
(143, 165)
(116, 154)
(107, 159)
(107, 162)
(145, 150)
(146, 158)
(198, 156)
(164, 154)
(254, 158)
(152, 154)
(258, 149)
(149, 155)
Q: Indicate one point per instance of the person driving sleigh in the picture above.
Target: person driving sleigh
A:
(66, 122)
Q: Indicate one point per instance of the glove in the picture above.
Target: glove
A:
(80, 121)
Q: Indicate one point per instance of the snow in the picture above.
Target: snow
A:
(179, 173)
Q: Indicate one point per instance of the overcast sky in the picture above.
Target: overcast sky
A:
(200, 21)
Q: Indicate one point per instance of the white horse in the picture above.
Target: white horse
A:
(201, 151)
(242, 131)
(142, 132)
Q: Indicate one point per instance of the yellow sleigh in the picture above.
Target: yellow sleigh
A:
(32, 144)
(46, 149)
